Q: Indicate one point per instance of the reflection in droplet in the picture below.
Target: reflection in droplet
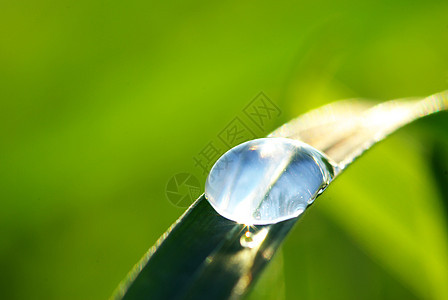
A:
(267, 180)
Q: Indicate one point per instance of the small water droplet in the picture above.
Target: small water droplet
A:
(268, 180)
(253, 239)
(247, 239)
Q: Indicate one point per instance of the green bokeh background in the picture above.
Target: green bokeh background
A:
(102, 102)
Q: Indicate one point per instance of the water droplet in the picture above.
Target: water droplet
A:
(247, 239)
(267, 180)
(253, 239)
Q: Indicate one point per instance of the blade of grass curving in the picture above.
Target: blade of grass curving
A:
(206, 256)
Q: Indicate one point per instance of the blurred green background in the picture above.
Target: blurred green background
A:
(102, 102)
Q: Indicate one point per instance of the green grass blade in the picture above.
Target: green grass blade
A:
(204, 256)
